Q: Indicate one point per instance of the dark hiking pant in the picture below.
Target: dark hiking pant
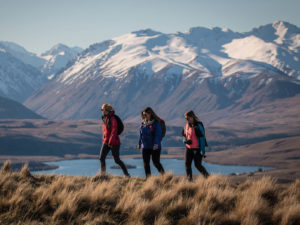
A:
(191, 154)
(155, 159)
(116, 154)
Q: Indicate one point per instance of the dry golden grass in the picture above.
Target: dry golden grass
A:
(162, 200)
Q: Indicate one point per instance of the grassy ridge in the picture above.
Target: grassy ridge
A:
(52, 199)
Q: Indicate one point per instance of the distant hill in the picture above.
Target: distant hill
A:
(275, 145)
(10, 109)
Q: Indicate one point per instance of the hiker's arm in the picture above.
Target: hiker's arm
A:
(157, 133)
(183, 136)
(140, 139)
(114, 131)
(202, 139)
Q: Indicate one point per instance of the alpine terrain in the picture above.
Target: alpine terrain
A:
(217, 72)
(23, 72)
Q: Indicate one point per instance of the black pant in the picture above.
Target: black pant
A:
(155, 159)
(191, 154)
(116, 154)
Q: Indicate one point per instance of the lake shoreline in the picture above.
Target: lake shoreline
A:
(279, 172)
(90, 167)
(40, 161)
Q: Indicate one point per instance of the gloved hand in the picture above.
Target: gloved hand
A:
(188, 142)
(155, 147)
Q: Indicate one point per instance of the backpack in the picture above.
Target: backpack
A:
(201, 135)
(120, 124)
(204, 135)
(163, 128)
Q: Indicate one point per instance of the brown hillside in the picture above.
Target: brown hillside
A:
(44, 199)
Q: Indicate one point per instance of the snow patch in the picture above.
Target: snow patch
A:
(252, 48)
(269, 81)
(50, 77)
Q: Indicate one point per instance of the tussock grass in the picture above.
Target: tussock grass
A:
(6, 167)
(161, 200)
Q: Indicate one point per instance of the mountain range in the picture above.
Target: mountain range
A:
(216, 72)
(23, 72)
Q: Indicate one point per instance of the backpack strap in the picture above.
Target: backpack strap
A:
(109, 121)
(151, 128)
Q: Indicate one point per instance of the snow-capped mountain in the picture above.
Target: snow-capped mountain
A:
(277, 44)
(49, 62)
(23, 72)
(57, 58)
(17, 79)
(22, 54)
(209, 70)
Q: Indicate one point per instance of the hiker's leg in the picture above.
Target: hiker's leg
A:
(198, 164)
(146, 159)
(103, 153)
(116, 154)
(156, 160)
(188, 156)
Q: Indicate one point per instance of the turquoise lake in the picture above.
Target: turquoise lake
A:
(90, 167)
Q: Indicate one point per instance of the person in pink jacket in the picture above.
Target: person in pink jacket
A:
(194, 139)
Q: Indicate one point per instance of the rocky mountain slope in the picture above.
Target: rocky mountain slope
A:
(22, 72)
(17, 79)
(216, 72)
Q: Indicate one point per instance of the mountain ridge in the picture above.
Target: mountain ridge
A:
(209, 70)
(23, 72)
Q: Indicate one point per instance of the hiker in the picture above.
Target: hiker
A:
(194, 139)
(151, 133)
(110, 140)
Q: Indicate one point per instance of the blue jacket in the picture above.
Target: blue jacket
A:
(150, 135)
(201, 138)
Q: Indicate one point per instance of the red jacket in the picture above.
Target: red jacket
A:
(110, 130)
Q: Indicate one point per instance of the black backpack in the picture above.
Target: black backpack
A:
(120, 124)
(163, 127)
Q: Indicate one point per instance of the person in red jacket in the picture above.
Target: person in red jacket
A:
(110, 140)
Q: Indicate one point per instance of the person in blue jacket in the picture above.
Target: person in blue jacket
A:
(150, 140)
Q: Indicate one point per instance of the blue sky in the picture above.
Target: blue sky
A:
(37, 25)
